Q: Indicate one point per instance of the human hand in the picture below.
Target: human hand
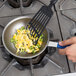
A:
(70, 51)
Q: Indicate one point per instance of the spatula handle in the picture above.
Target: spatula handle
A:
(52, 2)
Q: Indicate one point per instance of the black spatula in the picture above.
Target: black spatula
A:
(40, 20)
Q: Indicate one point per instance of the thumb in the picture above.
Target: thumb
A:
(68, 41)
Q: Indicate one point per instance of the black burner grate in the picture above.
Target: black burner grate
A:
(16, 3)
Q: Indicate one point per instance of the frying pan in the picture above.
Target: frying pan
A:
(9, 31)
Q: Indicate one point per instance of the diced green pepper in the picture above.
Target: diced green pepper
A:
(41, 36)
(16, 33)
(38, 45)
(31, 47)
(33, 51)
(40, 39)
(22, 28)
(13, 41)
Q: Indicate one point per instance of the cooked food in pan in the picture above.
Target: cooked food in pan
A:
(24, 43)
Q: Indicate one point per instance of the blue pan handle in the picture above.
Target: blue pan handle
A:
(61, 47)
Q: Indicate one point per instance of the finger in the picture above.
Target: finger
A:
(71, 50)
(72, 58)
(62, 51)
(68, 42)
(69, 57)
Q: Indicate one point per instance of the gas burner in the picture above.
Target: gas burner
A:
(35, 60)
(16, 3)
(40, 65)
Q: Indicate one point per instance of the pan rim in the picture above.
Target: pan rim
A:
(30, 57)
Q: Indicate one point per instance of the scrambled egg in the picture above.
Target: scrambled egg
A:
(23, 43)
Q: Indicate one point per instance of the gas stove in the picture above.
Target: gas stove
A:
(52, 63)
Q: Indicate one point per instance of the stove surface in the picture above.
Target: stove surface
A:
(51, 64)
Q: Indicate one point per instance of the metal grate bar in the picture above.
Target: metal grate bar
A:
(56, 63)
(21, 7)
(1, 46)
(3, 73)
(1, 26)
(3, 3)
(32, 72)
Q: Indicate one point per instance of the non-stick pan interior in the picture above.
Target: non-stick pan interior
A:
(9, 31)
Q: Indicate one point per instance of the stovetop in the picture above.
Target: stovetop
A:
(50, 65)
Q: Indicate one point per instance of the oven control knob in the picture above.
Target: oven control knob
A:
(73, 32)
